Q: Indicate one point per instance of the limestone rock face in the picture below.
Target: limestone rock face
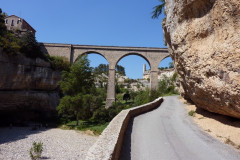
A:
(203, 37)
(27, 85)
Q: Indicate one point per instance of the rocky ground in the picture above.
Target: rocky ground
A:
(58, 144)
(224, 128)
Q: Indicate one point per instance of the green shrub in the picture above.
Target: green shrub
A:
(100, 116)
(36, 150)
(142, 97)
(59, 63)
(191, 113)
(30, 46)
(153, 95)
(103, 115)
(10, 43)
(166, 85)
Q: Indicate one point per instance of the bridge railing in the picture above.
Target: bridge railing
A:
(109, 144)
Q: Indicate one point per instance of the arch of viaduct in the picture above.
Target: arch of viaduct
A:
(113, 55)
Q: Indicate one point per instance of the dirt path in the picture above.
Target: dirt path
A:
(224, 128)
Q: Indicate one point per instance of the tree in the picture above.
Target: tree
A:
(77, 85)
(59, 63)
(103, 68)
(138, 86)
(126, 96)
(8, 41)
(30, 46)
(170, 65)
(120, 69)
(158, 9)
(133, 94)
(142, 97)
(3, 28)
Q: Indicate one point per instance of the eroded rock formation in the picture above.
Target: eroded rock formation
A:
(203, 37)
(27, 86)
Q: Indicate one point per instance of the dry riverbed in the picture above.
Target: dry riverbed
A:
(58, 144)
(224, 128)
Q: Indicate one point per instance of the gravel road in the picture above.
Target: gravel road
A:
(168, 133)
(58, 144)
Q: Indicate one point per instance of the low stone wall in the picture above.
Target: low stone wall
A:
(109, 143)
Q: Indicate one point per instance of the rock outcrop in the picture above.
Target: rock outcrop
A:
(27, 86)
(203, 37)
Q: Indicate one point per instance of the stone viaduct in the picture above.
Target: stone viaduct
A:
(113, 55)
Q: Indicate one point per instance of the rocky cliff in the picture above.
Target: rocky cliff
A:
(203, 37)
(27, 86)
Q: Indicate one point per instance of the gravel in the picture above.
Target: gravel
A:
(58, 144)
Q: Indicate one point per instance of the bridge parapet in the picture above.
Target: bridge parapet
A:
(109, 144)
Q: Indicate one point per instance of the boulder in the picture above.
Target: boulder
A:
(203, 37)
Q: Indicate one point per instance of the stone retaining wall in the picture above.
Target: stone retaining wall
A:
(109, 143)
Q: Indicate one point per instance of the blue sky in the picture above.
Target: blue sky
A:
(94, 22)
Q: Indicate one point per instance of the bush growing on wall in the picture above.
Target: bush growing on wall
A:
(59, 63)
(30, 46)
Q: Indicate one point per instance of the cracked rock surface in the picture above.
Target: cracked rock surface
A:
(203, 38)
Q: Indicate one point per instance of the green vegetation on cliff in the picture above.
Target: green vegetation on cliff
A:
(27, 45)
(13, 43)
(59, 63)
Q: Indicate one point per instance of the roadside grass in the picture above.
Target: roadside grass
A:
(97, 129)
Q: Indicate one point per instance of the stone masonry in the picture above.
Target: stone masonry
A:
(113, 55)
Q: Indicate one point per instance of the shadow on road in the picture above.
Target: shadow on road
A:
(126, 147)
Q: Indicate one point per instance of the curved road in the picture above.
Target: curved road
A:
(168, 133)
